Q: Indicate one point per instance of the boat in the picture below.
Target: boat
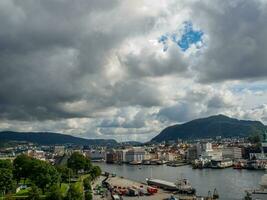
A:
(162, 184)
(221, 164)
(135, 163)
(258, 194)
(185, 187)
(182, 186)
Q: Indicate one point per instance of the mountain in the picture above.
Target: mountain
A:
(48, 138)
(218, 125)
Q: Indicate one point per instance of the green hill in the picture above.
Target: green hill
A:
(218, 125)
(48, 138)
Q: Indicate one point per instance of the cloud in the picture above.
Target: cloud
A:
(95, 68)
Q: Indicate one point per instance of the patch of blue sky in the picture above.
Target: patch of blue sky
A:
(189, 36)
(252, 87)
(164, 40)
(184, 37)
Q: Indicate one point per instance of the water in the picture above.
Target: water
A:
(230, 184)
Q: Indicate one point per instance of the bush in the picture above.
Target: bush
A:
(54, 193)
(88, 195)
(74, 193)
(87, 183)
(34, 193)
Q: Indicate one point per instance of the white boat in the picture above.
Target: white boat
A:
(181, 186)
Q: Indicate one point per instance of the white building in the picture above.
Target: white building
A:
(232, 152)
(135, 154)
(95, 154)
(122, 155)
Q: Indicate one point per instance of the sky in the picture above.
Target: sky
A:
(125, 70)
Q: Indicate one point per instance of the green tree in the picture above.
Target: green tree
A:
(22, 167)
(6, 164)
(74, 193)
(78, 162)
(254, 138)
(87, 183)
(54, 193)
(6, 180)
(34, 193)
(65, 173)
(88, 195)
(95, 172)
(43, 174)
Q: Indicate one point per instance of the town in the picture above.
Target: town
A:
(214, 153)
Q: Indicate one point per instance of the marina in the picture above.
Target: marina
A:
(229, 183)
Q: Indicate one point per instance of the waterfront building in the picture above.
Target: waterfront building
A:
(121, 155)
(95, 155)
(192, 153)
(136, 154)
(233, 153)
(111, 156)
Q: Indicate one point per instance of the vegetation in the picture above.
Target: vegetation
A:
(34, 193)
(218, 125)
(78, 163)
(46, 181)
(54, 193)
(74, 193)
(50, 138)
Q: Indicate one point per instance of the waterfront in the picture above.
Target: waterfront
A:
(230, 183)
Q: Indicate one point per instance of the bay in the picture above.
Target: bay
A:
(230, 183)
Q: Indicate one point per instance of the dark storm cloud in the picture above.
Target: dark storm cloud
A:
(237, 40)
(93, 66)
(53, 52)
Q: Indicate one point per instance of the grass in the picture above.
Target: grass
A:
(23, 192)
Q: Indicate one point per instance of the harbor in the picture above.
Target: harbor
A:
(230, 183)
(123, 188)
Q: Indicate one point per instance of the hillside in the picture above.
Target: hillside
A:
(48, 138)
(218, 125)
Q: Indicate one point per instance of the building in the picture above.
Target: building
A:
(95, 155)
(136, 154)
(121, 155)
(233, 153)
(111, 156)
(59, 150)
(192, 153)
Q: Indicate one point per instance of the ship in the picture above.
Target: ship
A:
(162, 184)
(181, 186)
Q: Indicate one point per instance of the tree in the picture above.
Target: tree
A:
(43, 174)
(6, 164)
(74, 193)
(22, 167)
(34, 193)
(54, 193)
(95, 172)
(87, 183)
(65, 173)
(88, 195)
(254, 138)
(78, 162)
(6, 180)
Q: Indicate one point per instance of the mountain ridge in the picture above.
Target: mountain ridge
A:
(50, 138)
(212, 126)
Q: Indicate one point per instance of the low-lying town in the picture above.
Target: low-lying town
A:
(217, 153)
(212, 153)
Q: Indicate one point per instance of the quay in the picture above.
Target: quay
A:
(119, 184)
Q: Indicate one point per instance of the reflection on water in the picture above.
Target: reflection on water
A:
(230, 183)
